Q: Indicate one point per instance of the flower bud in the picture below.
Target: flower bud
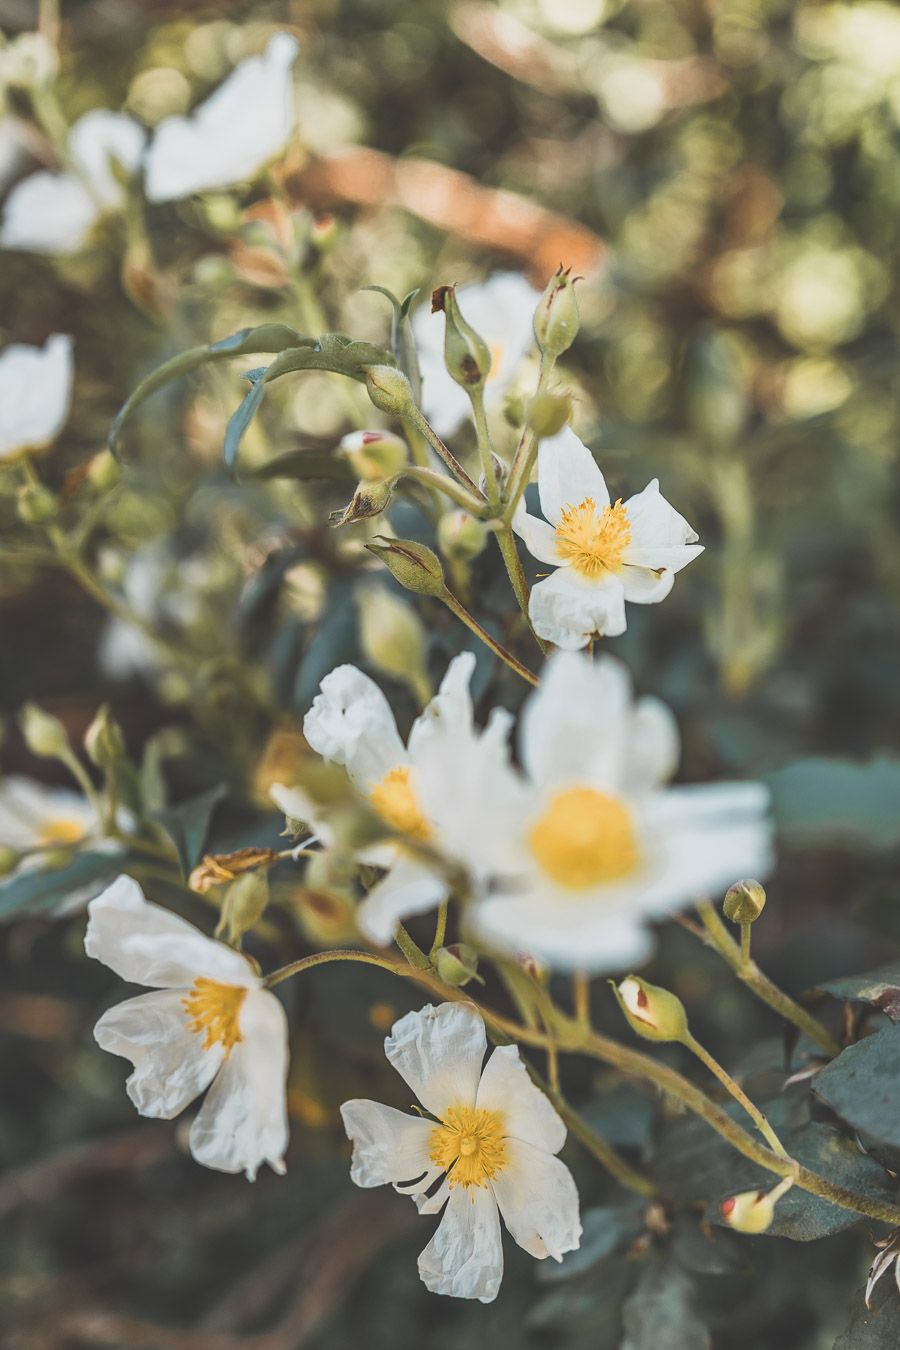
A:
(547, 414)
(369, 499)
(749, 1211)
(389, 390)
(466, 355)
(415, 566)
(103, 472)
(9, 860)
(43, 733)
(243, 906)
(744, 902)
(393, 639)
(103, 740)
(556, 317)
(457, 965)
(35, 504)
(652, 1012)
(461, 536)
(374, 454)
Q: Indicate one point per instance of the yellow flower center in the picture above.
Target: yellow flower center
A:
(584, 837)
(469, 1145)
(394, 799)
(60, 831)
(213, 1010)
(593, 543)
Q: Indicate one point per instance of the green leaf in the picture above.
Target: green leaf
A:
(839, 801)
(403, 343)
(877, 1328)
(268, 337)
(243, 415)
(880, 988)
(41, 889)
(187, 824)
(306, 466)
(658, 1314)
(606, 1229)
(861, 1086)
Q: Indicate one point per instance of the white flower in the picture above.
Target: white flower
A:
(600, 845)
(487, 1149)
(605, 554)
(351, 723)
(35, 394)
(162, 588)
(208, 1024)
(55, 212)
(501, 311)
(34, 817)
(246, 123)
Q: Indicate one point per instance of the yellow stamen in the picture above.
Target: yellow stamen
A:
(394, 799)
(469, 1145)
(593, 543)
(60, 831)
(214, 1010)
(584, 837)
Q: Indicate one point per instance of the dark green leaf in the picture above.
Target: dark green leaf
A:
(40, 890)
(306, 465)
(837, 800)
(187, 824)
(606, 1229)
(658, 1314)
(879, 987)
(877, 1328)
(241, 418)
(861, 1086)
(705, 1250)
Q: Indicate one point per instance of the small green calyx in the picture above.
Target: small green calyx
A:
(457, 965)
(466, 354)
(744, 902)
(414, 565)
(369, 499)
(652, 1012)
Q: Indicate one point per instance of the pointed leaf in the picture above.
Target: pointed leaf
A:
(41, 889)
(242, 416)
(187, 824)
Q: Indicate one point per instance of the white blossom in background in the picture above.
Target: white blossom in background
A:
(35, 394)
(501, 311)
(601, 845)
(604, 553)
(56, 212)
(161, 589)
(12, 150)
(208, 1026)
(351, 723)
(485, 1150)
(240, 128)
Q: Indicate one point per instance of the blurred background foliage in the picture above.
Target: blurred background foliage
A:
(726, 174)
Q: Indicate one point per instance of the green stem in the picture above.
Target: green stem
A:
(606, 1155)
(475, 627)
(510, 553)
(417, 419)
(485, 446)
(411, 950)
(324, 958)
(760, 984)
(745, 947)
(737, 1092)
(441, 483)
(440, 930)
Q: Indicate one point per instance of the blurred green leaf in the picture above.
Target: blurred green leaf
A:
(44, 888)
(188, 823)
(606, 1229)
(839, 801)
(306, 466)
(876, 1328)
(658, 1314)
(861, 1086)
(879, 987)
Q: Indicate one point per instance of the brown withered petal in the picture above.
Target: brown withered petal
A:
(217, 869)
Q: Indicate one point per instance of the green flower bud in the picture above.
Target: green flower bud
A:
(103, 472)
(652, 1012)
(749, 1211)
(461, 536)
(389, 390)
(547, 414)
(375, 454)
(393, 639)
(466, 355)
(369, 499)
(43, 733)
(415, 566)
(103, 740)
(35, 504)
(556, 319)
(744, 902)
(243, 906)
(9, 860)
(457, 965)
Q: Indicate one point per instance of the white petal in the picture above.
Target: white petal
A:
(35, 393)
(298, 805)
(408, 888)
(99, 138)
(538, 1201)
(567, 473)
(574, 728)
(566, 933)
(645, 587)
(450, 711)
(229, 138)
(654, 746)
(438, 1052)
(465, 1257)
(655, 557)
(351, 723)
(171, 1067)
(540, 538)
(146, 944)
(388, 1146)
(654, 522)
(27, 808)
(48, 213)
(569, 610)
(243, 1121)
(528, 1113)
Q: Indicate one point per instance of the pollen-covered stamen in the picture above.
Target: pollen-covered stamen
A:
(584, 837)
(60, 830)
(469, 1145)
(213, 1011)
(593, 542)
(394, 799)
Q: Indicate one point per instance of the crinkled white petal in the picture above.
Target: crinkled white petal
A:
(574, 727)
(35, 393)
(653, 749)
(528, 1113)
(567, 473)
(450, 711)
(48, 213)
(654, 522)
(100, 139)
(146, 944)
(246, 123)
(669, 558)
(465, 1257)
(568, 610)
(389, 1147)
(564, 932)
(409, 887)
(645, 587)
(243, 1121)
(538, 1201)
(351, 723)
(171, 1067)
(28, 808)
(438, 1052)
(539, 538)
